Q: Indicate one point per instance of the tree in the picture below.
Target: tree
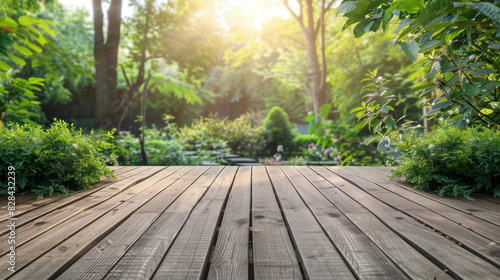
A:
(456, 46)
(19, 40)
(106, 61)
(310, 30)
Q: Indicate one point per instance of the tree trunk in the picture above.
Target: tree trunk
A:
(106, 61)
(317, 71)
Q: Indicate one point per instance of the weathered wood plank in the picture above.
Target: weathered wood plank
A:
(33, 223)
(319, 256)
(20, 199)
(440, 220)
(188, 255)
(411, 261)
(98, 260)
(273, 254)
(55, 250)
(362, 255)
(143, 257)
(476, 209)
(57, 200)
(230, 257)
(455, 258)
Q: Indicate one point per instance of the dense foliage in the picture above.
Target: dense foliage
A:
(242, 136)
(278, 130)
(452, 161)
(58, 160)
(160, 150)
(455, 43)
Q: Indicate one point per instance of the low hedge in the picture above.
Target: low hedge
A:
(59, 159)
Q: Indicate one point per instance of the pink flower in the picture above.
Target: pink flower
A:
(326, 152)
(309, 146)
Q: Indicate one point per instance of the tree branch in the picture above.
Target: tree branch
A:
(125, 75)
(98, 22)
(324, 12)
(297, 17)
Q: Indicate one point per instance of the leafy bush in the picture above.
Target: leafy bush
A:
(204, 134)
(160, 150)
(452, 161)
(57, 160)
(278, 130)
(213, 133)
(301, 141)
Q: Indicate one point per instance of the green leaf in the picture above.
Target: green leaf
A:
(487, 9)
(389, 121)
(494, 46)
(17, 59)
(429, 45)
(4, 66)
(25, 20)
(441, 104)
(35, 63)
(424, 86)
(23, 50)
(9, 23)
(347, 6)
(482, 71)
(368, 26)
(486, 111)
(410, 48)
(383, 144)
(409, 6)
(48, 30)
(358, 30)
(471, 90)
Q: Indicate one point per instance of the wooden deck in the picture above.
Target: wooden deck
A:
(253, 223)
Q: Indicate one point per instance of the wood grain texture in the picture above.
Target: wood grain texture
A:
(408, 259)
(455, 258)
(143, 258)
(56, 249)
(96, 262)
(230, 257)
(33, 209)
(33, 223)
(188, 255)
(273, 254)
(476, 209)
(319, 256)
(448, 220)
(362, 255)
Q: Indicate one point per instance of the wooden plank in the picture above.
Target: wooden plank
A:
(273, 253)
(443, 221)
(466, 206)
(230, 257)
(34, 223)
(362, 255)
(159, 197)
(20, 199)
(458, 260)
(141, 257)
(33, 205)
(319, 256)
(188, 255)
(56, 249)
(408, 259)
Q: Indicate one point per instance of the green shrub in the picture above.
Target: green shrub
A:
(452, 161)
(213, 133)
(159, 149)
(57, 160)
(278, 130)
(302, 141)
